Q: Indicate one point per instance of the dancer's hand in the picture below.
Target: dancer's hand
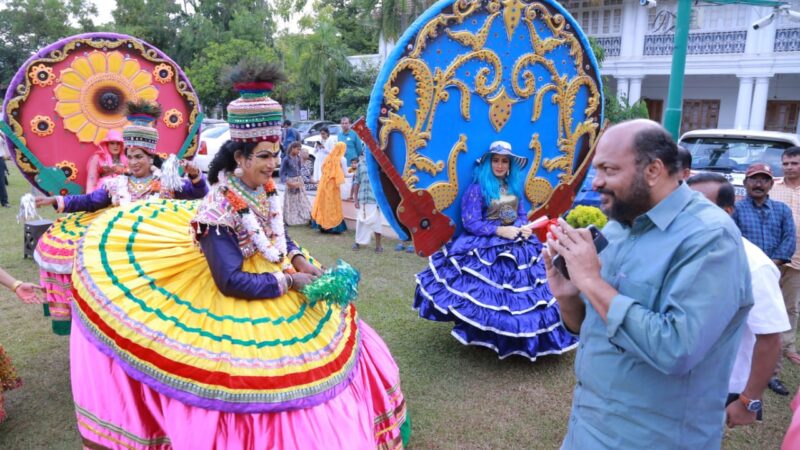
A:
(508, 232)
(192, 171)
(30, 293)
(301, 280)
(45, 201)
(302, 265)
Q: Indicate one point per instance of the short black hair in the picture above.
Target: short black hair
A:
(325, 129)
(654, 142)
(684, 158)
(287, 122)
(791, 152)
(726, 195)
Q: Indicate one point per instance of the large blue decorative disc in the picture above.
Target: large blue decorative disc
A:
(469, 72)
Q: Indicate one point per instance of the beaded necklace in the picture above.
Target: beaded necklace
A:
(265, 201)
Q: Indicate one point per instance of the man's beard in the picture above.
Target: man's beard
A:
(635, 203)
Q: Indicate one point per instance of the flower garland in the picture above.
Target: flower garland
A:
(272, 247)
(122, 194)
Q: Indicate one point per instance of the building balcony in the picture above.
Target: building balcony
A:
(787, 40)
(723, 42)
(610, 44)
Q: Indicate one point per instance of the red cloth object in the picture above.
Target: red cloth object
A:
(541, 226)
(254, 86)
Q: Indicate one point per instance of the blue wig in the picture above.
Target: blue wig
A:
(490, 184)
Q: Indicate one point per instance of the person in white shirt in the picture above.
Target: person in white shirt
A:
(761, 341)
(322, 150)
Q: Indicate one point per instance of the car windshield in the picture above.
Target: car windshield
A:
(215, 132)
(734, 154)
(303, 126)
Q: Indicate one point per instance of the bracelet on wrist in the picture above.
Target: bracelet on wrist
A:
(16, 286)
(289, 281)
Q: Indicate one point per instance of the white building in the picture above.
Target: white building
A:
(736, 77)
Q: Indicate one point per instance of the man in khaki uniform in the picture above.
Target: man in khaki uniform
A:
(788, 191)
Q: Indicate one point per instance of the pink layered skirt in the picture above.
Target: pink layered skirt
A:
(115, 411)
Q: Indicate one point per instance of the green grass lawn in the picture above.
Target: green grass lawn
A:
(459, 397)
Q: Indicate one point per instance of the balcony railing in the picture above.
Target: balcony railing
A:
(611, 45)
(699, 43)
(787, 40)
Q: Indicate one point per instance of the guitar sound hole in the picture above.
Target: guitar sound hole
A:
(425, 224)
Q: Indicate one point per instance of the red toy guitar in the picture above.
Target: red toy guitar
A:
(430, 229)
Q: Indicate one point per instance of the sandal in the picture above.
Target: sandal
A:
(378, 249)
(356, 247)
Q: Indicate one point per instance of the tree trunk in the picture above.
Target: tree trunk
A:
(322, 97)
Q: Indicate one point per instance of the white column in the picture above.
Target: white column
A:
(635, 90)
(759, 108)
(742, 120)
(641, 29)
(622, 88)
(628, 36)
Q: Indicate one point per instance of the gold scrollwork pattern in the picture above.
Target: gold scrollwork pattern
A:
(547, 31)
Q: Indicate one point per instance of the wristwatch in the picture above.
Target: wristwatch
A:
(751, 405)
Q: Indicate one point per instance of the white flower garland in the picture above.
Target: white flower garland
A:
(122, 195)
(273, 249)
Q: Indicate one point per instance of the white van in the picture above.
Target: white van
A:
(730, 152)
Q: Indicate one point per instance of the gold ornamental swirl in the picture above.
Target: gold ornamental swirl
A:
(433, 85)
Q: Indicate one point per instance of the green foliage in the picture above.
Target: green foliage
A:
(319, 58)
(28, 25)
(394, 16)
(617, 110)
(205, 70)
(582, 216)
(598, 50)
(359, 32)
(153, 21)
(352, 98)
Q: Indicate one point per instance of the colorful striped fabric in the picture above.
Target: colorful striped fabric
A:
(146, 297)
(54, 254)
(56, 248)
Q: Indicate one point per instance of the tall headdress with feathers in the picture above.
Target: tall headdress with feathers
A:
(254, 116)
(140, 132)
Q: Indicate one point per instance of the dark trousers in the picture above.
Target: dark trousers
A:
(3, 183)
(735, 398)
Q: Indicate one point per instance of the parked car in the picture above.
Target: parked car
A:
(311, 127)
(211, 140)
(730, 152)
(310, 143)
(211, 123)
(586, 195)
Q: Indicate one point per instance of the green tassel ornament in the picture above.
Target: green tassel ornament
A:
(338, 285)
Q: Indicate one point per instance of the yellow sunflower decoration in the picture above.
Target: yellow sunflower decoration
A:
(92, 93)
